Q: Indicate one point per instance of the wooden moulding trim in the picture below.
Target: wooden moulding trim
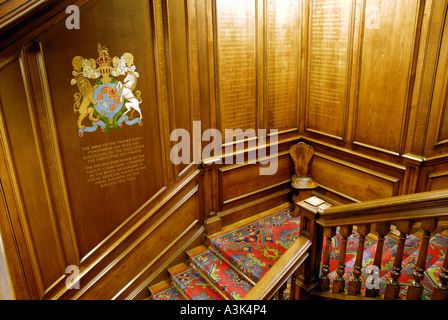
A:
(165, 196)
(134, 244)
(286, 182)
(253, 203)
(143, 285)
(407, 207)
(356, 154)
(281, 271)
(358, 168)
(340, 194)
(212, 161)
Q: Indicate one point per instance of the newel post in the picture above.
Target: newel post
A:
(307, 277)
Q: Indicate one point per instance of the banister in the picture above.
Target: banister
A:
(281, 271)
(432, 204)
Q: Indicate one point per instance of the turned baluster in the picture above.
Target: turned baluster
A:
(393, 285)
(292, 289)
(355, 283)
(415, 290)
(281, 290)
(339, 281)
(324, 281)
(382, 229)
(441, 290)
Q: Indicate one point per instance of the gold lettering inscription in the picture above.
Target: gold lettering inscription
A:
(237, 63)
(114, 162)
(283, 59)
(328, 61)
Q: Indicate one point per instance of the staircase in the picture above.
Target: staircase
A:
(233, 260)
(236, 259)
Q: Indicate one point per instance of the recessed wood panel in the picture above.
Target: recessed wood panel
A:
(236, 64)
(181, 110)
(243, 180)
(437, 180)
(352, 180)
(443, 134)
(181, 218)
(387, 52)
(328, 66)
(33, 196)
(113, 166)
(283, 49)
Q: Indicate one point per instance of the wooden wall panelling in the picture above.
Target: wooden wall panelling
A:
(236, 65)
(110, 211)
(194, 75)
(437, 136)
(437, 180)
(330, 43)
(356, 53)
(355, 181)
(242, 180)
(427, 66)
(261, 44)
(12, 9)
(304, 39)
(131, 233)
(238, 190)
(179, 219)
(182, 63)
(88, 223)
(36, 214)
(162, 88)
(282, 56)
(390, 43)
(11, 229)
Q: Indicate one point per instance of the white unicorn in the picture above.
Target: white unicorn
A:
(130, 83)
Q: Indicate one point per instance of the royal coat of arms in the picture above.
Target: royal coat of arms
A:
(108, 103)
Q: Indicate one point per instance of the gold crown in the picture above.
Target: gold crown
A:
(103, 59)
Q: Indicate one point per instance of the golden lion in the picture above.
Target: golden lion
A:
(86, 93)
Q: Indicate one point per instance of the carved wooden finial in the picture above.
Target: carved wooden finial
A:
(302, 154)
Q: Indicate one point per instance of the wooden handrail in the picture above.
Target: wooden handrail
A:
(282, 270)
(433, 204)
(402, 211)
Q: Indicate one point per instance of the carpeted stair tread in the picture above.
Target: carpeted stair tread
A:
(255, 247)
(168, 292)
(219, 272)
(194, 286)
(237, 258)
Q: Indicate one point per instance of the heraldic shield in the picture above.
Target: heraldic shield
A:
(108, 103)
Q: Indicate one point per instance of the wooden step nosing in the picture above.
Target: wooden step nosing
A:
(210, 282)
(233, 266)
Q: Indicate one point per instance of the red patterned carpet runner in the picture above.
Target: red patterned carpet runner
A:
(194, 286)
(233, 285)
(237, 259)
(254, 248)
(168, 293)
